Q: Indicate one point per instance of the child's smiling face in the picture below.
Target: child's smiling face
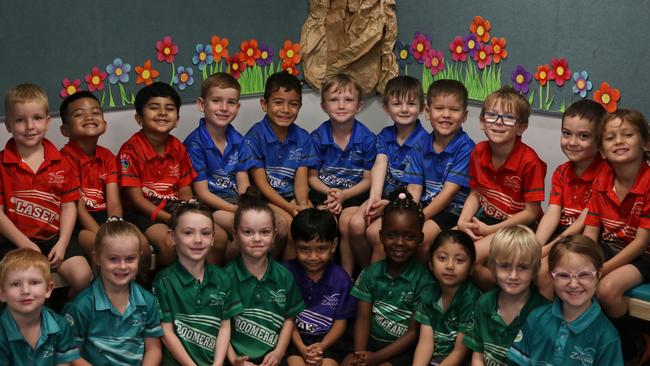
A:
(400, 236)
(451, 265)
(25, 291)
(84, 119)
(159, 116)
(282, 107)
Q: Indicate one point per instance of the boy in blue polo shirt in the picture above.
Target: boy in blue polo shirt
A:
(325, 288)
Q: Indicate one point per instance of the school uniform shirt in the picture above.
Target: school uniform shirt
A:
(107, 337)
(210, 164)
(195, 308)
(95, 172)
(32, 200)
(396, 154)
(618, 219)
(268, 302)
(547, 339)
(490, 334)
(504, 192)
(326, 300)
(343, 168)
(55, 344)
(432, 170)
(393, 300)
(159, 176)
(573, 192)
(262, 149)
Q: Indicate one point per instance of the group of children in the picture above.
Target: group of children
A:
(391, 204)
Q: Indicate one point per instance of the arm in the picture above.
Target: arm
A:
(67, 221)
(424, 349)
(223, 341)
(144, 205)
(11, 232)
(477, 359)
(458, 355)
(441, 200)
(415, 190)
(211, 199)
(465, 222)
(548, 224)
(174, 345)
(630, 252)
(81, 362)
(377, 178)
(113, 203)
(301, 187)
(523, 217)
(362, 326)
(274, 357)
(357, 189)
(185, 193)
(152, 352)
(592, 232)
(87, 221)
(237, 360)
(242, 181)
(316, 184)
(296, 339)
(259, 178)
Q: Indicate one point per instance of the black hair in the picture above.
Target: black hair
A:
(189, 206)
(252, 199)
(445, 87)
(400, 200)
(63, 109)
(282, 80)
(156, 89)
(311, 223)
(590, 110)
(457, 237)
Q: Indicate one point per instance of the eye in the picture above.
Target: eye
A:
(523, 267)
(267, 232)
(504, 266)
(441, 257)
(564, 276)
(114, 259)
(566, 133)
(585, 136)
(461, 260)
(131, 259)
(15, 284)
(206, 232)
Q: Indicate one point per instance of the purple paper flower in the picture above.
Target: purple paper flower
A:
(202, 55)
(520, 79)
(403, 54)
(582, 84)
(266, 55)
(183, 77)
(118, 71)
(471, 44)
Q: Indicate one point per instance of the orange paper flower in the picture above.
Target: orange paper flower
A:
(290, 68)
(145, 73)
(499, 51)
(290, 53)
(219, 48)
(542, 74)
(250, 52)
(607, 97)
(480, 27)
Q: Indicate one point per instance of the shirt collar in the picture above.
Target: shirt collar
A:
(147, 149)
(514, 158)
(103, 303)
(270, 136)
(583, 321)
(592, 171)
(451, 146)
(75, 149)
(232, 138)
(243, 274)
(50, 153)
(48, 325)
(187, 278)
(413, 138)
(640, 185)
(406, 272)
(328, 137)
(301, 274)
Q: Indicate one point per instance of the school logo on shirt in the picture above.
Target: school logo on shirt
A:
(637, 209)
(584, 355)
(295, 154)
(407, 297)
(234, 158)
(519, 337)
(124, 163)
(69, 319)
(48, 352)
(217, 300)
(175, 171)
(332, 300)
(513, 182)
(56, 177)
(279, 297)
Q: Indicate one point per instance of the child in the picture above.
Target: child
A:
(619, 209)
(214, 150)
(262, 332)
(38, 189)
(445, 316)
(325, 288)
(572, 330)
(31, 334)
(116, 320)
(156, 171)
(438, 166)
(403, 101)
(346, 150)
(499, 314)
(197, 300)
(506, 177)
(389, 290)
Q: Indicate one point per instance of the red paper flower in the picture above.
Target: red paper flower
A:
(480, 27)
(95, 79)
(457, 49)
(499, 51)
(219, 48)
(291, 69)
(145, 73)
(250, 52)
(607, 97)
(483, 56)
(420, 45)
(542, 74)
(290, 53)
(559, 71)
(433, 61)
(237, 65)
(166, 50)
(69, 88)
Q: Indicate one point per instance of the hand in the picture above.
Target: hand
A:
(468, 227)
(370, 204)
(314, 354)
(361, 358)
(480, 228)
(57, 254)
(272, 358)
(375, 210)
(242, 361)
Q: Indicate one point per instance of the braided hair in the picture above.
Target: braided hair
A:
(400, 200)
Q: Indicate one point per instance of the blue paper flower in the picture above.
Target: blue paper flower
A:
(184, 77)
(582, 84)
(403, 54)
(118, 71)
(202, 55)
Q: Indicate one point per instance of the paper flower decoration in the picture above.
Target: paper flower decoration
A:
(183, 77)
(290, 53)
(403, 55)
(146, 74)
(582, 84)
(290, 68)
(420, 46)
(433, 61)
(521, 79)
(266, 56)
(219, 48)
(202, 56)
(95, 80)
(237, 66)
(457, 48)
(471, 44)
(607, 97)
(166, 50)
(499, 51)
(118, 71)
(483, 56)
(69, 88)
(559, 71)
(480, 27)
(250, 52)
(542, 74)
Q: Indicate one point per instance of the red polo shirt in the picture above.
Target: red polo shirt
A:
(504, 192)
(95, 172)
(32, 201)
(159, 176)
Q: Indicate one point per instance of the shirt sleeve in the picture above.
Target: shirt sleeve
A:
(472, 339)
(593, 207)
(414, 172)
(347, 306)
(250, 153)
(71, 185)
(187, 173)
(533, 181)
(66, 347)
(152, 328)
(197, 157)
(370, 151)
(519, 352)
(363, 288)
(316, 140)
(295, 304)
(459, 169)
(424, 309)
(129, 168)
(557, 185)
(610, 353)
(79, 321)
(233, 302)
(309, 155)
(160, 291)
(473, 169)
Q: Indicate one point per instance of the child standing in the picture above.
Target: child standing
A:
(445, 315)
(438, 166)
(572, 330)
(31, 334)
(115, 319)
(499, 314)
(197, 300)
(389, 290)
(403, 101)
(262, 332)
(38, 189)
(346, 150)
(325, 288)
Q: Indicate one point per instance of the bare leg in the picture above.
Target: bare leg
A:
(372, 235)
(283, 245)
(347, 259)
(165, 251)
(358, 244)
(430, 230)
(613, 285)
(77, 273)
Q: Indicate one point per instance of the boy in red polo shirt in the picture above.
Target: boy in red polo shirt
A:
(506, 177)
(38, 189)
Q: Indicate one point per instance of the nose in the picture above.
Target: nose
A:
(449, 264)
(24, 288)
(513, 273)
(573, 140)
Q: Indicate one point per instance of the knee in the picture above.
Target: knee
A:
(357, 225)
(608, 292)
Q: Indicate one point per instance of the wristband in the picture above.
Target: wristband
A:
(156, 211)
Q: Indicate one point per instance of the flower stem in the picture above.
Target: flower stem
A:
(171, 82)
(111, 102)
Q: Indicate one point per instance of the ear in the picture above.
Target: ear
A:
(464, 118)
(264, 104)
(65, 130)
(47, 122)
(322, 107)
(521, 128)
(335, 243)
(50, 288)
(138, 118)
(170, 237)
(95, 258)
(427, 112)
(200, 103)
(3, 297)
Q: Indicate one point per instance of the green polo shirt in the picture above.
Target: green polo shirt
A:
(447, 324)
(55, 345)
(268, 302)
(107, 337)
(393, 299)
(195, 308)
(547, 339)
(491, 335)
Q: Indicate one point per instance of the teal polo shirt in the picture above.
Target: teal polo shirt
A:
(268, 302)
(491, 335)
(107, 337)
(446, 324)
(547, 339)
(195, 308)
(55, 345)
(393, 299)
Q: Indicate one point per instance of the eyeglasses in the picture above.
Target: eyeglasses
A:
(507, 119)
(583, 277)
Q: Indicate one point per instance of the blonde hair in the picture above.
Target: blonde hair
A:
(23, 93)
(114, 229)
(339, 83)
(219, 80)
(22, 259)
(512, 241)
(510, 101)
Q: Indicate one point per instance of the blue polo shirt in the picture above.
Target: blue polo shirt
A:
(547, 339)
(54, 346)
(261, 148)
(432, 170)
(397, 155)
(210, 164)
(107, 337)
(326, 300)
(343, 168)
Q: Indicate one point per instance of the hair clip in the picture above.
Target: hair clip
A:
(402, 196)
(114, 218)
